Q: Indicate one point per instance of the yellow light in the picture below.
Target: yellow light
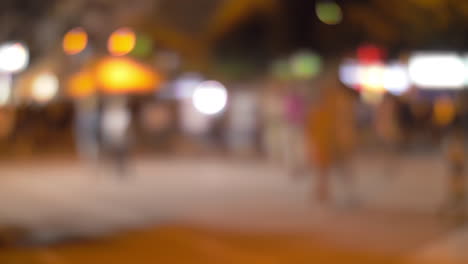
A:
(121, 42)
(45, 87)
(81, 84)
(372, 78)
(121, 75)
(75, 41)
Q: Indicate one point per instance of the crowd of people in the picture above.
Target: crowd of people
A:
(307, 126)
(322, 126)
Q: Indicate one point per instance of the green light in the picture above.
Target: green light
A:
(329, 13)
(306, 65)
(143, 46)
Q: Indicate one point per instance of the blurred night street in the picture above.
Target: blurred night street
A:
(234, 131)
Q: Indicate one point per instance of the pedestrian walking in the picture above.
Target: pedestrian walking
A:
(116, 120)
(331, 137)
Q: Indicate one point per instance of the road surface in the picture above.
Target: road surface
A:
(220, 209)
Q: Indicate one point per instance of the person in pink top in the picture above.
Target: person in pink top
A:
(294, 113)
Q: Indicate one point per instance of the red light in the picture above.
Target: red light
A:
(367, 54)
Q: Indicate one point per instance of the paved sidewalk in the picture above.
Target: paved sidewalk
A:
(395, 216)
(452, 249)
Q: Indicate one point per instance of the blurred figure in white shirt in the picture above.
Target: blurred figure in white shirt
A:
(116, 120)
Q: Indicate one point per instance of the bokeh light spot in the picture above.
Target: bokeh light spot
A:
(45, 87)
(437, 70)
(75, 41)
(306, 65)
(372, 78)
(121, 75)
(369, 54)
(210, 97)
(14, 57)
(121, 42)
(329, 12)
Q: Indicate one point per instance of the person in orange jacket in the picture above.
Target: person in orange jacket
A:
(331, 135)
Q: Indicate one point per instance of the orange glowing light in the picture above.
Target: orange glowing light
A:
(81, 85)
(121, 75)
(121, 42)
(75, 41)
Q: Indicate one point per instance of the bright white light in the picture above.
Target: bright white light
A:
(5, 89)
(210, 97)
(432, 71)
(378, 78)
(14, 57)
(371, 77)
(349, 73)
(465, 60)
(45, 87)
(396, 79)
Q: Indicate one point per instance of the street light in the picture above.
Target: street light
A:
(118, 75)
(210, 97)
(437, 70)
(75, 41)
(121, 42)
(45, 87)
(14, 57)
